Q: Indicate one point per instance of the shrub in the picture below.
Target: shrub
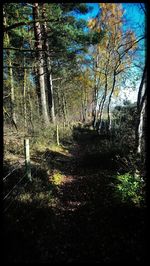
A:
(123, 126)
(129, 188)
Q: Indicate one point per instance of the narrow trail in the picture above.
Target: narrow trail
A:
(86, 223)
(97, 227)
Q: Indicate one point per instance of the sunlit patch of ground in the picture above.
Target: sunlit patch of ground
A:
(67, 179)
(61, 150)
(69, 212)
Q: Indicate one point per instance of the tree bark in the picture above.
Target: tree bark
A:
(141, 114)
(102, 104)
(108, 106)
(105, 93)
(84, 105)
(64, 107)
(141, 130)
(48, 68)
(94, 111)
(13, 114)
(24, 100)
(141, 88)
(30, 109)
(51, 95)
(12, 93)
(95, 96)
(40, 56)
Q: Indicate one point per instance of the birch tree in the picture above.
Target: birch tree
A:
(115, 53)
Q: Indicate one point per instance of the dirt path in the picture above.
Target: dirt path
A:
(85, 223)
(93, 226)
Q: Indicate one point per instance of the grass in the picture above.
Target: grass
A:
(61, 149)
(69, 212)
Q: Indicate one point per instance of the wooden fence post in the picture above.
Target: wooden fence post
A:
(27, 159)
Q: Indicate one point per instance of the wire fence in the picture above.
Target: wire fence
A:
(43, 159)
(14, 145)
(14, 198)
(16, 185)
(4, 178)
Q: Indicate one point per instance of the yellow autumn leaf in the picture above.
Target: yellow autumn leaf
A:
(92, 23)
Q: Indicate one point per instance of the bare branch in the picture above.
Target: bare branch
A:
(10, 118)
(143, 8)
(56, 79)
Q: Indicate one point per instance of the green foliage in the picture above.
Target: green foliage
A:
(123, 126)
(96, 37)
(124, 115)
(65, 134)
(129, 188)
(57, 178)
(44, 138)
(74, 7)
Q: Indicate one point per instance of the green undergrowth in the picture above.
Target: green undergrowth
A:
(48, 137)
(129, 188)
(57, 178)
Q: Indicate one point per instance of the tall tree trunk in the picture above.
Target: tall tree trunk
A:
(13, 114)
(94, 110)
(105, 93)
(141, 130)
(30, 108)
(84, 106)
(64, 107)
(141, 113)
(95, 95)
(101, 113)
(141, 88)
(48, 68)
(102, 104)
(99, 107)
(51, 94)
(40, 58)
(140, 102)
(108, 106)
(39, 107)
(12, 93)
(24, 99)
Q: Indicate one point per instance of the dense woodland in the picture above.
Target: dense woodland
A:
(74, 183)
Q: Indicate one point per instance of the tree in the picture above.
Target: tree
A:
(49, 40)
(140, 135)
(141, 114)
(10, 69)
(40, 66)
(48, 67)
(114, 54)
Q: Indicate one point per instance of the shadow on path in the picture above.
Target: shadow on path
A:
(85, 223)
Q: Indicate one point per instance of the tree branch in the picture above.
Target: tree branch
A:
(23, 23)
(10, 118)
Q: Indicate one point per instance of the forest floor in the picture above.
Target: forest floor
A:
(71, 213)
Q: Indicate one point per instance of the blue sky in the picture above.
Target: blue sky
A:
(134, 16)
(135, 20)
